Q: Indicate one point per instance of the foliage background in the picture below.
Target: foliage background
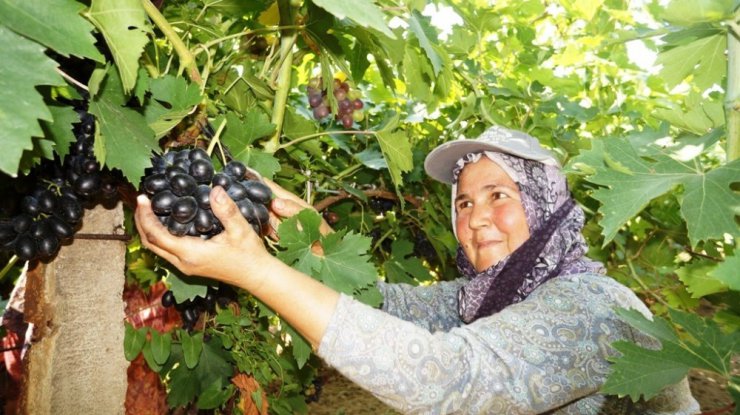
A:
(651, 149)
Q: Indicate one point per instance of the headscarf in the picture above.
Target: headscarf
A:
(555, 247)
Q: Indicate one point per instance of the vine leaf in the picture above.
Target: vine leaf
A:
(186, 287)
(690, 12)
(698, 279)
(726, 272)
(427, 37)
(639, 371)
(396, 149)
(124, 25)
(213, 368)
(402, 267)
(127, 139)
(61, 130)
(363, 12)
(708, 204)
(180, 98)
(301, 348)
(343, 263)
(60, 27)
(160, 344)
(239, 136)
(703, 58)
(22, 106)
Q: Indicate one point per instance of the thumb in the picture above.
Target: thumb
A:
(227, 211)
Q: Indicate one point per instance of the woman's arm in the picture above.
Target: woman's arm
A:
(237, 256)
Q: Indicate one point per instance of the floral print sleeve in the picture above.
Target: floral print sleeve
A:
(432, 307)
(545, 354)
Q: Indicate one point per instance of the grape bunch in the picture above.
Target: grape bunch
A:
(179, 185)
(190, 310)
(349, 104)
(49, 217)
(83, 171)
(51, 199)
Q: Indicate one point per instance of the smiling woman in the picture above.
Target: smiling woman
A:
(527, 329)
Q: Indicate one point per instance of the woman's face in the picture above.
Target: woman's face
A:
(490, 217)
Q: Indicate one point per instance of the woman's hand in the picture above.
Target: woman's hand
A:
(215, 258)
(285, 205)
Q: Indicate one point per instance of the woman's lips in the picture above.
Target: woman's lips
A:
(485, 244)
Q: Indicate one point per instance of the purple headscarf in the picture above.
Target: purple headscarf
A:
(555, 247)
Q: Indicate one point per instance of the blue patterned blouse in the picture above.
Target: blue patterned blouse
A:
(546, 354)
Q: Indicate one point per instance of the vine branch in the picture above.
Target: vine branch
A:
(287, 40)
(379, 193)
(186, 58)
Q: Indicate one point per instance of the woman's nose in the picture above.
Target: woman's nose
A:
(481, 216)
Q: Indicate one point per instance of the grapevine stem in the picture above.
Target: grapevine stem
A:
(287, 40)
(186, 58)
(217, 140)
(8, 266)
(207, 45)
(319, 134)
(642, 283)
(72, 80)
(732, 97)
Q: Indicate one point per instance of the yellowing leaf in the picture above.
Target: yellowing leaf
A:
(124, 25)
(363, 12)
(704, 58)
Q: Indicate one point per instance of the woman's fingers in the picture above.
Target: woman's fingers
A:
(228, 213)
(154, 235)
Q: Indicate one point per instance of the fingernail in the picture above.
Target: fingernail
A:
(141, 198)
(278, 204)
(220, 195)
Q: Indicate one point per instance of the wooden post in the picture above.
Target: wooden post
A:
(75, 364)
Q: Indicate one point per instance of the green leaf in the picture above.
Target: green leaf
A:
(124, 25)
(22, 106)
(149, 357)
(639, 371)
(402, 267)
(56, 25)
(239, 135)
(186, 287)
(214, 368)
(127, 139)
(344, 264)
(698, 280)
(690, 12)
(427, 36)
(160, 344)
(300, 347)
(727, 272)
(708, 204)
(192, 347)
(363, 12)
(181, 98)
(397, 151)
(704, 58)
(60, 130)
(133, 341)
(214, 396)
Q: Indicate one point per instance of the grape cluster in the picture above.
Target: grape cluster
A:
(349, 104)
(53, 196)
(179, 186)
(190, 310)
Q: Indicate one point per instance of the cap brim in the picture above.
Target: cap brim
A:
(440, 162)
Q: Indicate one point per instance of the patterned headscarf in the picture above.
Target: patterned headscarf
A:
(555, 247)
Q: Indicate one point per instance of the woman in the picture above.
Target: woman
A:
(526, 331)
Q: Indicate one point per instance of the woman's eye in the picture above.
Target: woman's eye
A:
(500, 195)
(463, 205)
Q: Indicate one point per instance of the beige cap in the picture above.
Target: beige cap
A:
(441, 161)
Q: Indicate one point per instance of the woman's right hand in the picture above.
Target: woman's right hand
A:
(219, 257)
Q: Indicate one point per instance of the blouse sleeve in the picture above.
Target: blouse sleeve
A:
(537, 355)
(432, 307)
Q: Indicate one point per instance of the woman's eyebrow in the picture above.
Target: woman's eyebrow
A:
(487, 187)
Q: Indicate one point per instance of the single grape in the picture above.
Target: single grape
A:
(198, 154)
(257, 191)
(47, 245)
(183, 184)
(358, 116)
(22, 222)
(320, 112)
(237, 191)
(184, 209)
(156, 183)
(340, 94)
(357, 104)
(162, 202)
(203, 196)
(87, 184)
(25, 247)
(347, 121)
(314, 100)
(201, 170)
(176, 228)
(203, 221)
(235, 169)
(221, 179)
(61, 228)
(345, 105)
(168, 299)
(30, 205)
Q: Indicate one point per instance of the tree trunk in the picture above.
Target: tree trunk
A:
(75, 364)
